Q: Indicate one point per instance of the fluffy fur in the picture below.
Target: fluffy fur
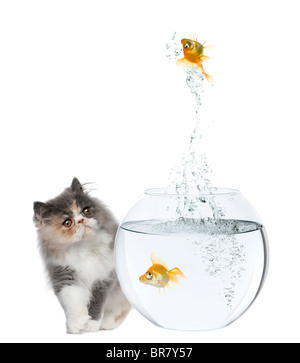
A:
(76, 238)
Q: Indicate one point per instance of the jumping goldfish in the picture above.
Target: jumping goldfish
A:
(193, 56)
(158, 274)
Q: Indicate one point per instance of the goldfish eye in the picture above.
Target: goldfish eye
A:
(187, 45)
(148, 275)
(67, 223)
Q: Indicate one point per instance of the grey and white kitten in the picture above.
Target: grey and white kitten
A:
(76, 235)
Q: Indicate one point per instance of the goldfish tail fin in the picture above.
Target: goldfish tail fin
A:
(156, 259)
(208, 77)
(175, 274)
(178, 272)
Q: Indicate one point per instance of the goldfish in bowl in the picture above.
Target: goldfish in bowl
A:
(158, 274)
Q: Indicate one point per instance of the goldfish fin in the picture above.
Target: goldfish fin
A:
(178, 272)
(205, 57)
(156, 259)
(208, 77)
(184, 63)
(208, 47)
(192, 37)
(175, 274)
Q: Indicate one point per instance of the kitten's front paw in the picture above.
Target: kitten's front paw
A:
(78, 324)
(92, 326)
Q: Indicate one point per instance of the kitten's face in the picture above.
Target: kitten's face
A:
(69, 218)
(72, 224)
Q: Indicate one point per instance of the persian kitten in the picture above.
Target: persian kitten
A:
(76, 235)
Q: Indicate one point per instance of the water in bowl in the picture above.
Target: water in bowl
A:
(223, 262)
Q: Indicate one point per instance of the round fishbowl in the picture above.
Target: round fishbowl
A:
(191, 261)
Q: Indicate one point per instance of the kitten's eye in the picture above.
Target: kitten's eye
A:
(148, 275)
(86, 211)
(67, 223)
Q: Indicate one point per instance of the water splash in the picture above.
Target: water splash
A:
(222, 254)
(193, 170)
(173, 50)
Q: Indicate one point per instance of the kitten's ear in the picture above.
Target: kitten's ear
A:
(76, 186)
(42, 212)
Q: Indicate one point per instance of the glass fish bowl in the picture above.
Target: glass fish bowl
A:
(193, 261)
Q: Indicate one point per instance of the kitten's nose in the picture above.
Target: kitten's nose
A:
(80, 220)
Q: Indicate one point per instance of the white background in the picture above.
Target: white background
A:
(86, 90)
